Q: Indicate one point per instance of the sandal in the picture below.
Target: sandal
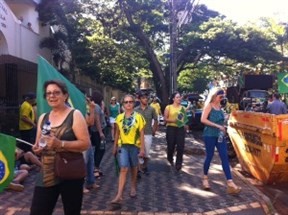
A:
(233, 189)
(98, 173)
(116, 201)
(133, 194)
(205, 184)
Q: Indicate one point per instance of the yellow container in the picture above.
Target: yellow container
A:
(261, 144)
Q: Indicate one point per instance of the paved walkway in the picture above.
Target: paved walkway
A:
(163, 191)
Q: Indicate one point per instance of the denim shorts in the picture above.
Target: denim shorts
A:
(128, 155)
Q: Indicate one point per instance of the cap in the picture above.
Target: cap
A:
(30, 95)
(142, 93)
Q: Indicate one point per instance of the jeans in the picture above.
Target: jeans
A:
(175, 137)
(210, 144)
(89, 155)
(98, 152)
(45, 198)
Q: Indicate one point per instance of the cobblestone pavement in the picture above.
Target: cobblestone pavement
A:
(163, 191)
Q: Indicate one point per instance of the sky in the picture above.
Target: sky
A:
(242, 11)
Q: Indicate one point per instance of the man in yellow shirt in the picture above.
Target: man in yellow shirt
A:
(27, 123)
(156, 106)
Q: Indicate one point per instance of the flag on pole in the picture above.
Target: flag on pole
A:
(47, 72)
(7, 160)
(282, 82)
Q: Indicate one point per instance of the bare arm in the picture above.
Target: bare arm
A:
(166, 116)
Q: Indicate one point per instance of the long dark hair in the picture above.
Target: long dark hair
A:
(171, 99)
(97, 97)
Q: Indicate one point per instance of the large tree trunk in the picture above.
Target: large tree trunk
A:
(158, 74)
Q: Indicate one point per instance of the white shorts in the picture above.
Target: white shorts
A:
(112, 120)
(148, 142)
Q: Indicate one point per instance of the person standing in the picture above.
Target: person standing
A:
(155, 104)
(128, 144)
(213, 118)
(176, 118)
(114, 111)
(27, 120)
(276, 106)
(69, 132)
(149, 115)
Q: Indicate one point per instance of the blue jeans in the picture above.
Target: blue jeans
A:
(128, 155)
(210, 144)
(89, 158)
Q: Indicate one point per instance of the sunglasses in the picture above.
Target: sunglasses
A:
(55, 93)
(128, 102)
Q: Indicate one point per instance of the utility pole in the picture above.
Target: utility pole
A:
(173, 56)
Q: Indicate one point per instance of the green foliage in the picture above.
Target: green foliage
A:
(117, 41)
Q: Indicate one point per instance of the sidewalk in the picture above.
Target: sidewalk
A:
(163, 191)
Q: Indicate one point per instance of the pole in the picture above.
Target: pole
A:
(173, 57)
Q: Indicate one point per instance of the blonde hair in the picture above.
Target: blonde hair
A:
(212, 95)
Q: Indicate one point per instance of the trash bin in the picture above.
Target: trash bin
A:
(260, 141)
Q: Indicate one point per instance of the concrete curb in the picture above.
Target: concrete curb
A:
(264, 200)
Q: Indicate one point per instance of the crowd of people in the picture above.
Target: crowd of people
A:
(132, 128)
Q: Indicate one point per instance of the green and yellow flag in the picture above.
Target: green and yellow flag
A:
(282, 82)
(7, 160)
(182, 118)
(47, 72)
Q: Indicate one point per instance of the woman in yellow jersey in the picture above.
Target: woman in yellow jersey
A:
(176, 118)
(128, 144)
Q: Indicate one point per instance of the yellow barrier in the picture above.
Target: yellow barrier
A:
(260, 141)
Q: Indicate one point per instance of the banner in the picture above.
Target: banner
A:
(7, 160)
(48, 72)
(282, 82)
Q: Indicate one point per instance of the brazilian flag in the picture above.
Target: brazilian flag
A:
(47, 72)
(182, 118)
(7, 160)
(282, 82)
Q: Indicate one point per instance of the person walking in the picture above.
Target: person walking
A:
(97, 132)
(149, 115)
(89, 154)
(114, 111)
(214, 131)
(128, 144)
(27, 120)
(69, 133)
(176, 118)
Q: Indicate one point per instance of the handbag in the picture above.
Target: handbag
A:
(70, 165)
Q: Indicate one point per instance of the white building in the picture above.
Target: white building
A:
(20, 36)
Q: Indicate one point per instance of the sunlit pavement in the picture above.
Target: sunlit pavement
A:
(161, 192)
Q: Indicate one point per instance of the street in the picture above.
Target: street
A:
(162, 191)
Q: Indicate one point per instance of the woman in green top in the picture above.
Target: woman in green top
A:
(213, 117)
(114, 110)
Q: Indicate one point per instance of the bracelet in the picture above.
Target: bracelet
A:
(62, 144)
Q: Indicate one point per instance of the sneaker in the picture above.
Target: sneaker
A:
(92, 186)
(15, 187)
(145, 171)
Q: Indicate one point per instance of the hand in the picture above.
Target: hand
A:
(115, 150)
(37, 150)
(222, 128)
(52, 142)
(141, 154)
(102, 136)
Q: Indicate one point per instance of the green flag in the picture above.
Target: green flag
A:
(182, 118)
(48, 72)
(282, 82)
(7, 160)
